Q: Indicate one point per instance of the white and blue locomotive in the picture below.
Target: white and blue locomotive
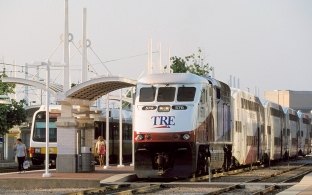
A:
(184, 123)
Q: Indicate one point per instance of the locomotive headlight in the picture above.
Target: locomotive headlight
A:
(140, 137)
(164, 108)
(186, 136)
(148, 136)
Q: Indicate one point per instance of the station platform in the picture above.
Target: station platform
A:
(4, 164)
(304, 187)
(35, 179)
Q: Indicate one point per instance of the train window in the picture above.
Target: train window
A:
(293, 117)
(218, 93)
(39, 133)
(238, 126)
(277, 141)
(306, 121)
(127, 132)
(269, 130)
(166, 94)
(249, 140)
(186, 94)
(147, 94)
(275, 112)
(99, 129)
(202, 97)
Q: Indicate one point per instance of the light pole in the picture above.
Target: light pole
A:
(107, 132)
(120, 131)
(47, 160)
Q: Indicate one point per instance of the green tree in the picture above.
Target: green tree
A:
(194, 63)
(6, 88)
(178, 65)
(10, 114)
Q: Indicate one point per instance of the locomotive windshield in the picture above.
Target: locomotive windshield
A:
(186, 94)
(39, 131)
(39, 134)
(167, 94)
(147, 94)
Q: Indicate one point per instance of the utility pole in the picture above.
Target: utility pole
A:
(84, 68)
(47, 160)
(26, 87)
(66, 50)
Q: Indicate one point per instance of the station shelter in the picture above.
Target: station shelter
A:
(80, 97)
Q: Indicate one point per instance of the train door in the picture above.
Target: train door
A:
(270, 142)
(226, 123)
(242, 142)
(258, 144)
(202, 116)
(203, 104)
(280, 137)
(280, 154)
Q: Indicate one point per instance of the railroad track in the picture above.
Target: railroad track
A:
(253, 180)
(122, 189)
(263, 180)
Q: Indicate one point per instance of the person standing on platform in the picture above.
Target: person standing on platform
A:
(20, 150)
(100, 149)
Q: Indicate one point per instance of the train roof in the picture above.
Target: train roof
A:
(290, 111)
(53, 107)
(236, 90)
(216, 82)
(267, 103)
(302, 114)
(171, 78)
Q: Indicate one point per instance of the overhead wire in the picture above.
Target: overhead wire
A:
(53, 52)
(89, 64)
(125, 58)
(109, 72)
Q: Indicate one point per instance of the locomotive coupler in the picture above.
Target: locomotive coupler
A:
(161, 161)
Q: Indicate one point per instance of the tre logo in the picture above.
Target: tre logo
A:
(163, 121)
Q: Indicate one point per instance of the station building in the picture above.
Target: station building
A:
(298, 100)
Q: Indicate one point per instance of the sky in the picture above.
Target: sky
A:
(265, 44)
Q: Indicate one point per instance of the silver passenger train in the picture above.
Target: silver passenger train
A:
(184, 123)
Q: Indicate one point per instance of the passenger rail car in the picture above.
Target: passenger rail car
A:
(304, 134)
(292, 128)
(248, 125)
(37, 148)
(38, 135)
(275, 136)
(181, 120)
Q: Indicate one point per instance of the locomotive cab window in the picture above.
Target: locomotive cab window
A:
(166, 94)
(186, 94)
(147, 94)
